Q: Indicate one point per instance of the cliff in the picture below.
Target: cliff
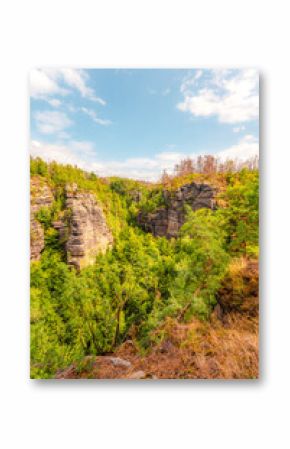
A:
(40, 197)
(167, 220)
(85, 227)
(81, 225)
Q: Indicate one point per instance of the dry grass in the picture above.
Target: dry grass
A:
(199, 350)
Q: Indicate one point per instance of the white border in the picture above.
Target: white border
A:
(163, 34)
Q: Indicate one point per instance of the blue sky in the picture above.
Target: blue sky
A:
(137, 122)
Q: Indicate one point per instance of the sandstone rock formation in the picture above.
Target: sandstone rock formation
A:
(41, 197)
(85, 229)
(166, 221)
(82, 228)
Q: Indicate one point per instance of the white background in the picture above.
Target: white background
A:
(171, 414)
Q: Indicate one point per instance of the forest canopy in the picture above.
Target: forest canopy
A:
(131, 290)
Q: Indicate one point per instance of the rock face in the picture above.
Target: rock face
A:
(82, 228)
(41, 197)
(85, 228)
(166, 221)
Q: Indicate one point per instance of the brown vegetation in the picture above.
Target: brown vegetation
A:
(196, 350)
(205, 168)
(209, 164)
(199, 350)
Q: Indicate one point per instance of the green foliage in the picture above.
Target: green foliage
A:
(69, 316)
(241, 214)
(196, 268)
(201, 262)
(131, 289)
(44, 216)
(38, 167)
(152, 200)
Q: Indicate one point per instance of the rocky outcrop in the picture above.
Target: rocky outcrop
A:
(84, 229)
(166, 221)
(40, 197)
(82, 225)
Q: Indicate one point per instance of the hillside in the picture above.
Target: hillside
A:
(144, 280)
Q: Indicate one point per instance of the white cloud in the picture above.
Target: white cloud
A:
(232, 96)
(78, 80)
(51, 122)
(54, 152)
(95, 118)
(143, 168)
(246, 148)
(43, 85)
(83, 155)
(73, 153)
(46, 82)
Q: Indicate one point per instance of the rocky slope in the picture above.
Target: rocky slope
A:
(166, 221)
